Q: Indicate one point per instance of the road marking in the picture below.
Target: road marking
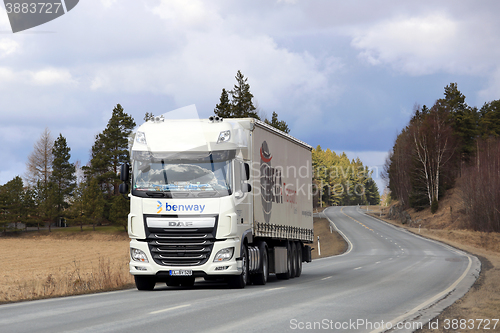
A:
(341, 233)
(170, 309)
(328, 277)
(358, 268)
(378, 262)
(275, 288)
(430, 301)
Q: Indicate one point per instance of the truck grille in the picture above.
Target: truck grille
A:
(181, 246)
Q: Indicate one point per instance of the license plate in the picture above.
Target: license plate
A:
(181, 272)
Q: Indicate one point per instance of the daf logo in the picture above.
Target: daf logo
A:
(180, 224)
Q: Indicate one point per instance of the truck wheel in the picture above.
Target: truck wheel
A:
(293, 259)
(286, 275)
(263, 274)
(241, 280)
(298, 269)
(144, 282)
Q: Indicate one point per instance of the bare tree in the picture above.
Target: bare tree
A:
(433, 147)
(481, 187)
(39, 165)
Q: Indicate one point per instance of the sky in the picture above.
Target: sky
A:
(345, 75)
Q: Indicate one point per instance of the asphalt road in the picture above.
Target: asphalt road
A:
(387, 276)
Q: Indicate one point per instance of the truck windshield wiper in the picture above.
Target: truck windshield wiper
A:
(158, 194)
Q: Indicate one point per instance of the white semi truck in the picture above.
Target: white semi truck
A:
(217, 198)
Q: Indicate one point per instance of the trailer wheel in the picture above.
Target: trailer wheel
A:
(298, 269)
(293, 259)
(241, 280)
(263, 274)
(144, 282)
(286, 275)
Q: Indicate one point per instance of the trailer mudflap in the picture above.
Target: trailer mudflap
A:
(306, 253)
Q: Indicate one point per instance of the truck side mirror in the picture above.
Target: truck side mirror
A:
(247, 171)
(123, 189)
(247, 188)
(124, 172)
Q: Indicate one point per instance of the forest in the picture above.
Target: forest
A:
(450, 144)
(339, 181)
(54, 191)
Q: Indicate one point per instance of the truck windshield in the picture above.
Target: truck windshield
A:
(182, 175)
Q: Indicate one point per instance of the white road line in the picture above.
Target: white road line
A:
(328, 277)
(170, 309)
(275, 288)
(341, 233)
(432, 300)
(358, 268)
(378, 262)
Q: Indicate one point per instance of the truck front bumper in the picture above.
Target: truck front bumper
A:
(210, 268)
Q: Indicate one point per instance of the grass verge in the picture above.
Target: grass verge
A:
(331, 242)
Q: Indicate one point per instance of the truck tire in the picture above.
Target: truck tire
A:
(143, 282)
(298, 270)
(286, 275)
(293, 260)
(261, 277)
(240, 281)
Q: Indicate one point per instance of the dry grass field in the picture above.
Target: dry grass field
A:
(41, 266)
(59, 264)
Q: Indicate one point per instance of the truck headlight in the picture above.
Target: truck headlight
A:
(138, 255)
(224, 136)
(140, 137)
(224, 254)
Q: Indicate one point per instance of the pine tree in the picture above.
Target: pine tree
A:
(242, 98)
(279, 124)
(148, 116)
(11, 202)
(240, 105)
(223, 109)
(110, 150)
(489, 121)
(63, 175)
(119, 211)
(464, 119)
(93, 203)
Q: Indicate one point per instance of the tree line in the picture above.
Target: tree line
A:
(339, 181)
(52, 193)
(55, 191)
(447, 144)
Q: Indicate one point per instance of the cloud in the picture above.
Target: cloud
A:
(427, 44)
(188, 14)
(196, 67)
(52, 76)
(8, 47)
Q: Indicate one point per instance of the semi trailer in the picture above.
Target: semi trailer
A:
(217, 198)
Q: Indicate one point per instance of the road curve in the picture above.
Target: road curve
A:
(387, 277)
